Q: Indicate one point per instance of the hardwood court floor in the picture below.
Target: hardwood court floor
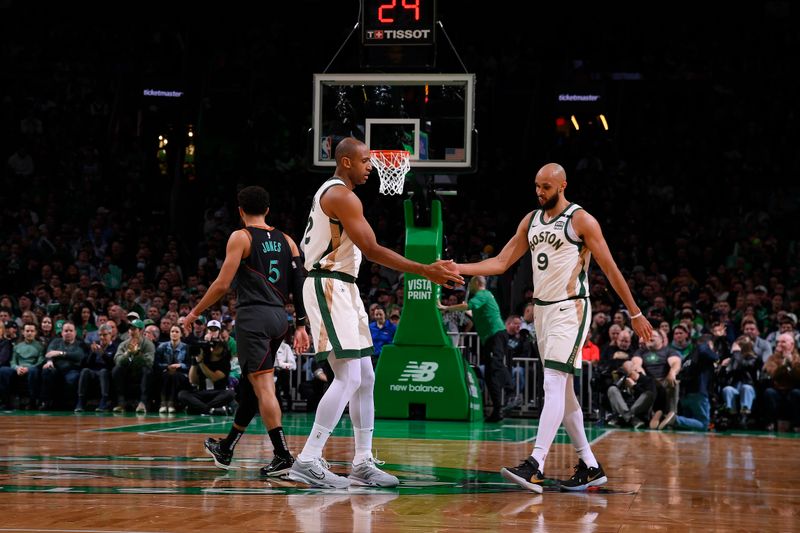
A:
(69, 473)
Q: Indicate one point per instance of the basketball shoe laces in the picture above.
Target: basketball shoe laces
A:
(374, 461)
(323, 463)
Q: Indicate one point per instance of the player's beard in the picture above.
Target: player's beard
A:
(550, 203)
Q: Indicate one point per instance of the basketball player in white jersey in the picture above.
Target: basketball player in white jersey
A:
(561, 237)
(336, 235)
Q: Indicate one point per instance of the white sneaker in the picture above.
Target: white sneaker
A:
(367, 473)
(317, 474)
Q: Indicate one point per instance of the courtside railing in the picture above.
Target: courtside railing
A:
(526, 374)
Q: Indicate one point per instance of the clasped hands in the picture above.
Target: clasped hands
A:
(444, 272)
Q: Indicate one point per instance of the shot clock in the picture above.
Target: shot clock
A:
(397, 22)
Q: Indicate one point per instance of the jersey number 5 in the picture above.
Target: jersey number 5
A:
(274, 273)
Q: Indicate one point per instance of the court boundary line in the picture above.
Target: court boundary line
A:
(39, 529)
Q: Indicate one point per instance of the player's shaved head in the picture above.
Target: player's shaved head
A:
(552, 172)
(551, 180)
(347, 147)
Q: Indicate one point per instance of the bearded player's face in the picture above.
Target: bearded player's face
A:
(546, 193)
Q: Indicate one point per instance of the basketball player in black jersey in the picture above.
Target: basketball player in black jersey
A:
(264, 265)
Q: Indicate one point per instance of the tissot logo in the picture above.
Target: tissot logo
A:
(419, 372)
(399, 34)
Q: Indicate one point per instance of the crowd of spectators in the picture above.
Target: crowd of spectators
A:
(94, 231)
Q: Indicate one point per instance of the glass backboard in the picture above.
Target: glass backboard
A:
(430, 115)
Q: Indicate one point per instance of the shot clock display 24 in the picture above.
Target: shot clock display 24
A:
(398, 22)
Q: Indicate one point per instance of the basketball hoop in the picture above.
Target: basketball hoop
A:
(392, 165)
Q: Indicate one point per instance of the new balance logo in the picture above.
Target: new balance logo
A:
(419, 372)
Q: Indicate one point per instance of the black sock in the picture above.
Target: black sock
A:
(229, 442)
(279, 442)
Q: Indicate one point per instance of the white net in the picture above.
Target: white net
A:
(392, 165)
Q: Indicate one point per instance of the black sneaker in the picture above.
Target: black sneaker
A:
(279, 466)
(526, 474)
(221, 457)
(585, 477)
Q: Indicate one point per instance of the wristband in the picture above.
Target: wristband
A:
(637, 315)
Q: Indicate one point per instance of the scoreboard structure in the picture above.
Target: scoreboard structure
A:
(398, 22)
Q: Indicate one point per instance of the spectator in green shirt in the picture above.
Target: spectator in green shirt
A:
(27, 354)
(489, 325)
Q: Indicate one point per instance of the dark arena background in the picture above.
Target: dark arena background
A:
(127, 131)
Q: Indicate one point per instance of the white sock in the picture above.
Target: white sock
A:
(347, 379)
(362, 412)
(573, 423)
(315, 443)
(363, 445)
(552, 414)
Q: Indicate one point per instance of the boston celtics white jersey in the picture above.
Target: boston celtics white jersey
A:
(325, 243)
(560, 259)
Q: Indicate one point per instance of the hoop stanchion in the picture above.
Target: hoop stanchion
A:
(422, 374)
(392, 165)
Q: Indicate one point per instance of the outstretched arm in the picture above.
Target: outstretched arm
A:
(238, 244)
(587, 227)
(510, 254)
(342, 204)
(463, 306)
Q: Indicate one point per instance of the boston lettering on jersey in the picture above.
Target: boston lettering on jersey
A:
(559, 258)
(546, 237)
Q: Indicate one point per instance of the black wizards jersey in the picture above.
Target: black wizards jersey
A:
(263, 276)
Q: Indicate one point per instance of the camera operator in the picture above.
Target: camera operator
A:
(211, 365)
(632, 396)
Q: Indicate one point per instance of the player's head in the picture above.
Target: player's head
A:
(551, 180)
(253, 200)
(352, 161)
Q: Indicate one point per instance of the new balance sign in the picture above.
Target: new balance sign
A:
(415, 372)
(420, 372)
